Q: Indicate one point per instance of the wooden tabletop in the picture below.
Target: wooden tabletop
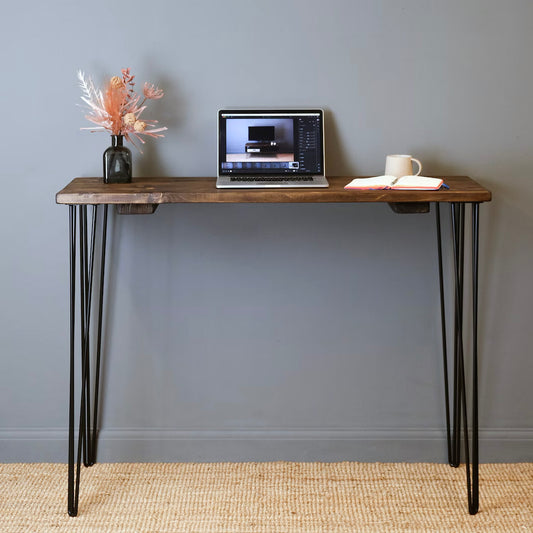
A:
(155, 191)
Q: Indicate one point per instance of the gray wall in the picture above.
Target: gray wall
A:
(269, 331)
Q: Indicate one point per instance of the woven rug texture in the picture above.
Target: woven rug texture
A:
(265, 497)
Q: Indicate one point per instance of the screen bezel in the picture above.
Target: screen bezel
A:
(221, 141)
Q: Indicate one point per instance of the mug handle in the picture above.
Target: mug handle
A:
(419, 166)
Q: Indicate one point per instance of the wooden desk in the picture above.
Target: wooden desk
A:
(144, 195)
(155, 191)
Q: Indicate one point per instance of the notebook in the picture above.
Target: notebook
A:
(260, 148)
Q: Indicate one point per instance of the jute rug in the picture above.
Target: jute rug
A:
(265, 497)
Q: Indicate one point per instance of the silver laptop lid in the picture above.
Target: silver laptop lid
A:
(266, 142)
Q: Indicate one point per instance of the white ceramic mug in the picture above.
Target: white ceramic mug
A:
(401, 165)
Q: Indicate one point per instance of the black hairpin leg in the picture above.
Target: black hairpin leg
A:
(87, 436)
(453, 433)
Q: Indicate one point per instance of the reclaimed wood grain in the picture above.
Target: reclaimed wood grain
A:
(155, 191)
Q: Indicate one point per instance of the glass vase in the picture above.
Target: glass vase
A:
(117, 161)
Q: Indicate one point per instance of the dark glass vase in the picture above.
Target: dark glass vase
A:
(117, 161)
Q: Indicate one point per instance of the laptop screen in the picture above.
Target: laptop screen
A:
(264, 142)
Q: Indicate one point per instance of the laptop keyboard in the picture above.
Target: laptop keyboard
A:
(270, 178)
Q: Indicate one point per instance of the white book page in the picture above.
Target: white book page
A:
(418, 183)
(377, 182)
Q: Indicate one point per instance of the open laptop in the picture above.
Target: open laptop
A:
(271, 148)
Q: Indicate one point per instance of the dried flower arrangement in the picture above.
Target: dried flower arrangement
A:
(118, 108)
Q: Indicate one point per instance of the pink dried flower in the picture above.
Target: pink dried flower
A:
(129, 119)
(116, 82)
(139, 126)
(118, 107)
(127, 78)
(151, 92)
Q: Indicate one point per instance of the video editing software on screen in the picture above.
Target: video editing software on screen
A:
(270, 142)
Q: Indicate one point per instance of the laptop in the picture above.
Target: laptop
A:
(260, 148)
